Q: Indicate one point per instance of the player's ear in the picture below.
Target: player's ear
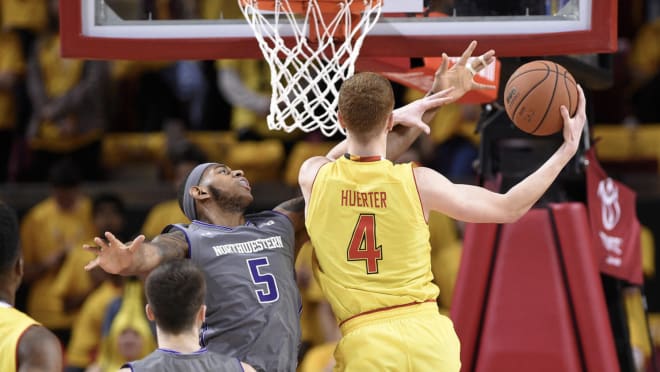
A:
(390, 122)
(149, 312)
(201, 314)
(199, 193)
(341, 120)
(19, 269)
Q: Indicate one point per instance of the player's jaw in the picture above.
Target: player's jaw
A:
(233, 199)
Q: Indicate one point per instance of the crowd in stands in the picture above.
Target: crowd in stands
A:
(66, 122)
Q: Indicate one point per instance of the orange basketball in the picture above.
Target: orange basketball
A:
(535, 92)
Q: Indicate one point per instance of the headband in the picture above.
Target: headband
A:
(193, 179)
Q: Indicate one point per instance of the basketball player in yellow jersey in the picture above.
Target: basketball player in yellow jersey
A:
(24, 344)
(366, 218)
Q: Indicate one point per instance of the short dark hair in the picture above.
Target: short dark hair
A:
(175, 291)
(108, 198)
(64, 174)
(8, 237)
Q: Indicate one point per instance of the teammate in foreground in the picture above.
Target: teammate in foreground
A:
(25, 345)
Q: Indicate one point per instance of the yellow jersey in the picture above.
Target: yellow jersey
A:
(370, 237)
(13, 324)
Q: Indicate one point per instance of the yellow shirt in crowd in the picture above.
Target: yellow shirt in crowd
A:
(47, 231)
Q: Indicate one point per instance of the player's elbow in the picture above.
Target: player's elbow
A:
(512, 216)
(511, 212)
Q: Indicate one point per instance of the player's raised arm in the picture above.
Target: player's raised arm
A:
(136, 257)
(476, 204)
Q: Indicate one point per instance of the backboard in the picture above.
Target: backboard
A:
(214, 29)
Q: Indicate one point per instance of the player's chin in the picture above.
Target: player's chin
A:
(248, 198)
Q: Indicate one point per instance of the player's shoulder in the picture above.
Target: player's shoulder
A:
(39, 340)
(258, 218)
(313, 164)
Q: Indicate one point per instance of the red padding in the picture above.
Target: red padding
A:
(528, 324)
(471, 283)
(543, 308)
(582, 271)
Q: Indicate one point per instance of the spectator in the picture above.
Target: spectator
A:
(12, 69)
(73, 284)
(48, 232)
(68, 103)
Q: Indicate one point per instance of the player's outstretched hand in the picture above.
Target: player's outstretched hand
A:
(461, 75)
(411, 114)
(573, 126)
(112, 255)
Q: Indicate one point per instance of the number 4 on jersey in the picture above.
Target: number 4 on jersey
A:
(363, 243)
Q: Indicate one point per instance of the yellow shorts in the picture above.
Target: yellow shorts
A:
(410, 338)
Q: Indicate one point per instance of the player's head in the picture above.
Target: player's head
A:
(10, 273)
(214, 185)
(175, 296)
(366, 101)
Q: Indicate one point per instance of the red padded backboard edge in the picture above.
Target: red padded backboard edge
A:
(601, 38)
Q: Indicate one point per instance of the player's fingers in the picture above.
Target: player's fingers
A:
(443, 65)
(136, 242)
(112, 238)
(424, 127)
(476, 85)
(437, 102)
(441, 93)
(488, 57)
(101, 243)
(582, 101)
(467, 53)
(482, 61)
(564, 114)
(91, 248)
(92, 264)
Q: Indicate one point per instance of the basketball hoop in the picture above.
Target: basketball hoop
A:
(306, 73)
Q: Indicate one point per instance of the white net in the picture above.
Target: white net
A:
(306, 75)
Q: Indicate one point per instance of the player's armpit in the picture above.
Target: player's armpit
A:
(171, 245)
(295, 210)
(39, 350)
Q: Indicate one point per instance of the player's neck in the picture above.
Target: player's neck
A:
(224, 218)
(186, 342)
(6, 296)
(373, 147)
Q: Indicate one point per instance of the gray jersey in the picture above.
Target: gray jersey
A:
(253, 302)
(172, 361)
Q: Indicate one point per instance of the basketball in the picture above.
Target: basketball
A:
(535, 92)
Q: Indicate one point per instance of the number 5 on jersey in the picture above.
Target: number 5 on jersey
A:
(363, 243)
(269, 293)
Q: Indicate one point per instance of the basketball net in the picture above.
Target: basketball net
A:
(305, 75)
